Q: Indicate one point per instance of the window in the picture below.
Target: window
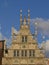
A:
(22, 53)
(6, 51)
(17, 52)
(25, 52)
(29, 52)
(32, 53)
(14, 52)
(24, 38)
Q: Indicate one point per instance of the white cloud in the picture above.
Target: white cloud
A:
(45, 47)
(43, 25)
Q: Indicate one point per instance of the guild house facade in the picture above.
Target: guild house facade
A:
(24, 47)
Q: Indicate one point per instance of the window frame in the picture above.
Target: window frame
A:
(24, 38)
(14, 53)
(31, 53)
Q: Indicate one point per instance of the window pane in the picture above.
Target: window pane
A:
(25, 52)
(14, 52)
(6, 51)
(33, 52)
(17, 52)
(22, 53)
(25, 38)
(22, 38)
(29, 52)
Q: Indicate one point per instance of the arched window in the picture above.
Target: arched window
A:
(24, 38)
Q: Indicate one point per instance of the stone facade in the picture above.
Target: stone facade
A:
(24, 48)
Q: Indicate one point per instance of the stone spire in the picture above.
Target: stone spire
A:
(36, 30)
(28, 17)
(20, 17)
(24, 21)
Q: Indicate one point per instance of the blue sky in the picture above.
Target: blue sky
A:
(10, 11)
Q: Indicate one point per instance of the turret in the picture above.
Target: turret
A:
(29, 18)
(20, 18)
(25, 23)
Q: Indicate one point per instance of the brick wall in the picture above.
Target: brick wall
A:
(1, 50)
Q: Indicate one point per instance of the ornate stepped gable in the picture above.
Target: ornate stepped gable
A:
(24, 48)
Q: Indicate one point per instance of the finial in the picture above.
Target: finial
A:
(21, 10)
(36, 32)
(20, 17)
(24, 20)
(28, 10)
(43, 37)
(28, 13)
(28, 17)
(0, 27)
(36, 23)
(36, 28)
